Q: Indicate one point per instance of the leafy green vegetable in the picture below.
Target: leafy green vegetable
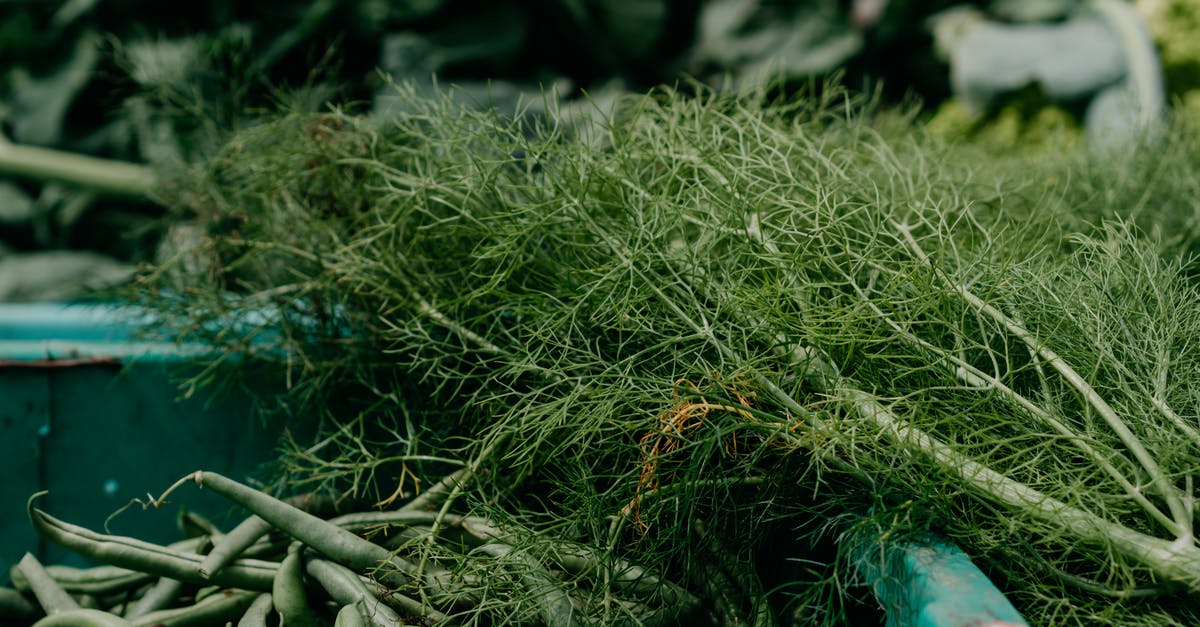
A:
(771, 319)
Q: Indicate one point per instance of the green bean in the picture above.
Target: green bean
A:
(207, 591)
(233, 544)
(404, 603)
(83, 618)
(96, 580)
(351, 615)
(14, 606)
(193, 525)
(359, 520)
(331, 540)
(288, 594)
(166, 589)
(249, 531)
(256, 615)
(401, 602)
(215, 609)
(119, 602)
(346, 588)
(433, 497)
(554, 604)
(49, 594)
(270, 545)
(152, 558)
(162, 594)
(405, 536)
(99, 580)
(578, 559)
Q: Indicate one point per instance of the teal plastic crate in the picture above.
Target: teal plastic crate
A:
(94, 415)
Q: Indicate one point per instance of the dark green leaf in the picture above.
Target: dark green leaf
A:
(40, 104)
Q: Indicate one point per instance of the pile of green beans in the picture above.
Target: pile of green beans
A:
(285, 565)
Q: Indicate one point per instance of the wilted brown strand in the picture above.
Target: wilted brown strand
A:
(671, 433)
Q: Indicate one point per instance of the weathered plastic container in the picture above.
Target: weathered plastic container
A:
(95, 417)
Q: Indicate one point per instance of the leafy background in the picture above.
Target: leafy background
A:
(159, 84)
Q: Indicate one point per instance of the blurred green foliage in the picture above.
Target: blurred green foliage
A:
(1175, 25)
(151, 83)
(167, 84)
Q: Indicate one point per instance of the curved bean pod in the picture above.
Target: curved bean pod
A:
(333, 541)
(50, 595)
(99, 580)
(256, 615)
(554, 604)
(288, 594)
(350, 616)
(215, 609)
(83, 618)
(233, 544)
(151, 558)
(358, 520)
(242, 537)
(347, 588)
(161, 595)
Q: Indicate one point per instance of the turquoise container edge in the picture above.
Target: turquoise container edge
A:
(92, 413)
(931, 583)
(37, 332)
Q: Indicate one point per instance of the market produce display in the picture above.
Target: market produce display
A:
(207, 580)
(697, 354)
(718, 330)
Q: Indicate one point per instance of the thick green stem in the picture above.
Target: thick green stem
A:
(1169, 493)
(1173, 560)
(1177, 561)
(102, 175)
(976, 378)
